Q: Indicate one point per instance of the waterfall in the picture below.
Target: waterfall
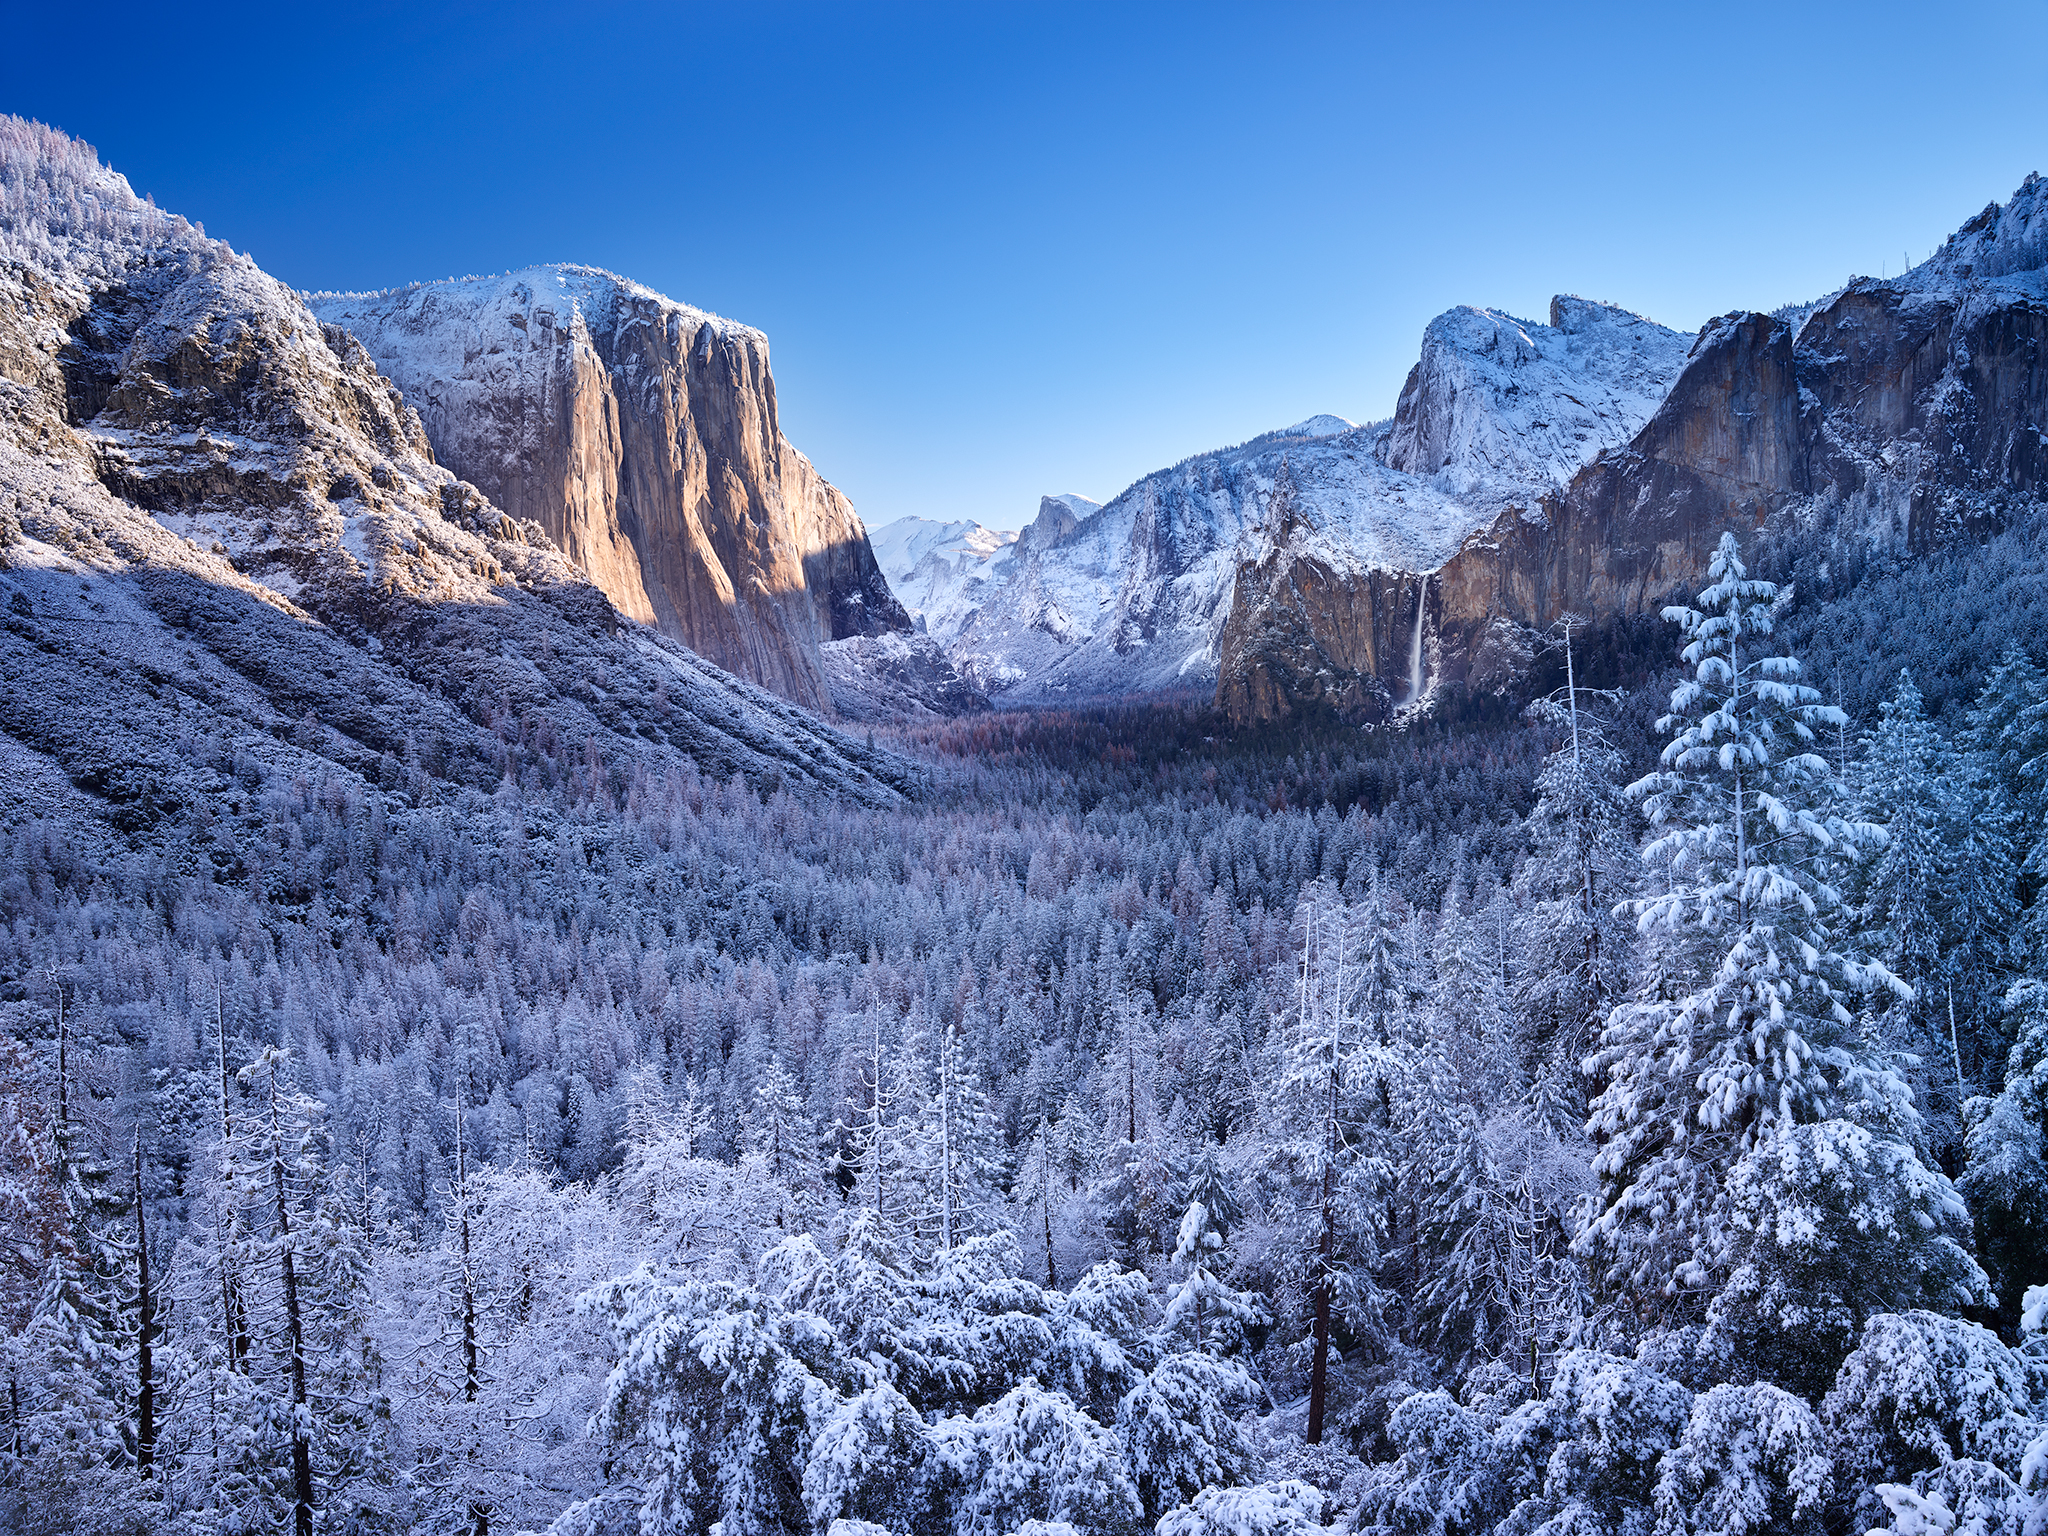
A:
(1415, 646)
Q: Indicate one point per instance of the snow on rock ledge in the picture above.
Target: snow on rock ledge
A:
(1499, 408)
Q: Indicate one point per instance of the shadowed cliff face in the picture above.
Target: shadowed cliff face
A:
(1932, 407)
(1908, 411)
(643, 436)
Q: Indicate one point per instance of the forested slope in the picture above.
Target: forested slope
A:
(470, 1066)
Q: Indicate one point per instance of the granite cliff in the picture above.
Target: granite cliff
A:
(224, 538)
(643, 436)
(1900, 411)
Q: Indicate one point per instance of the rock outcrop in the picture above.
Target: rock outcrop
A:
(224, 534)
(1903, 411)
(643, 436)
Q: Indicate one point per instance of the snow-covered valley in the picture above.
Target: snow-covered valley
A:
(472, 1062)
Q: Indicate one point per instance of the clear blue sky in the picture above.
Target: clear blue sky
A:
(1003, 249)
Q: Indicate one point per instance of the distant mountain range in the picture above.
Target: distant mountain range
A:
(1139, 595)
(1584, 465)
(383, 461)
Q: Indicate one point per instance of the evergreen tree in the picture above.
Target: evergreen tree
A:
(1215, 1315)
(2006, 1177)
(1740, 1025)
(1573, 943)
(946, 1142)
(1328, 1112)
(1501, 1191)
(783, 1137)
(1936, 897)
(1037, 1193)
(273, 1173)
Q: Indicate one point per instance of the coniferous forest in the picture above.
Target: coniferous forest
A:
(1478, 974)
(1615, 1106)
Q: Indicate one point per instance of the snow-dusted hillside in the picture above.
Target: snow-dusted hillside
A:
(1134, 597)
(938, 571)
(192, 466)
(2005, 245)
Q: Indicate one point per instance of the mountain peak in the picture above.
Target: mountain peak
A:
(1499, 407)
(1324, 425)
(2005, 240)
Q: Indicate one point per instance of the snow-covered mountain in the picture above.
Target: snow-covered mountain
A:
(1497, 407)
(938, 571)
(1136, 596)
(223, 533)
(1601, 462)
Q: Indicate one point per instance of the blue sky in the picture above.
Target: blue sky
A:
(1006, 249)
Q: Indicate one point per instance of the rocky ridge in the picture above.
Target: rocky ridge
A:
(643, 436)
(1900, 411)
(224, 536)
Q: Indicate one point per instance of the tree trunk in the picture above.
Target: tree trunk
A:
(1326, 1256)
(234, 1316)
(472, 1375)
(945, 1137)
(1052, 1278)
(145, 1334)
(295, 1330)
(1131, 1078)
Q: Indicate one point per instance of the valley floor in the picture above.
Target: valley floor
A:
(1150, 1126)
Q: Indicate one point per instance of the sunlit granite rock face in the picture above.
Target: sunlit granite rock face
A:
(223, 531)
(642, 435)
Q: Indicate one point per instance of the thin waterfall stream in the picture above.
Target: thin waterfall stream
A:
(1415, 646)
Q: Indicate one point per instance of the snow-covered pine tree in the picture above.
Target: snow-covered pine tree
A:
(1573, 945)
(1923, 905)
(1740, 1025)
(1469, 1020)
(1214, 1313)
(67, 1362)
(782, 1136)
(1328, 1107)
(273, 1170)
(1036, 1194)
(1500, 1195)
(1899, 786)
(867, 1126)
(357, 1467)
(2006, 1176)
(453, 1472)
(1134, 1174)
(2008, 732)
(947, 1142)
